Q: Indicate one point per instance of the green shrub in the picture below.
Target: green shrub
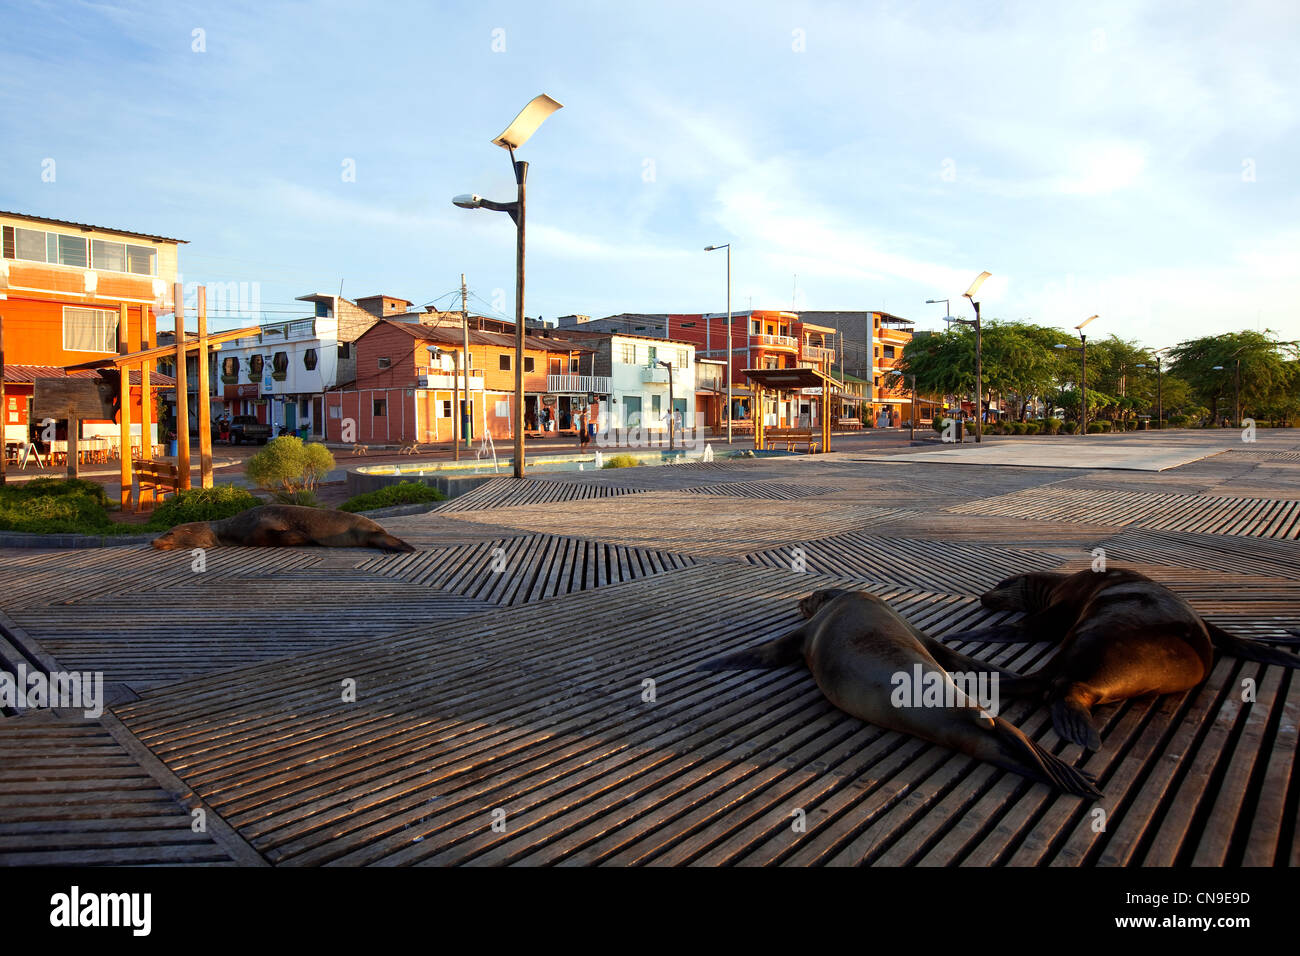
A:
(621, 461)
(1031, 428)
(287, 467)
(57, 506)
(1069, 428)
(202, 504)
(1095, 428)
(937, 423)
(406, 493)
(1052, 426)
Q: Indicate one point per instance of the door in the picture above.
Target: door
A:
(291, 415)
(632, 411)
(679, 406)
(317, 416)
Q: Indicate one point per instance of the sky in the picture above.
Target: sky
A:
(1135, 160)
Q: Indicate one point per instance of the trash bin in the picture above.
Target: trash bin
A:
(1142, 424)
(171, 448)
(961, 430)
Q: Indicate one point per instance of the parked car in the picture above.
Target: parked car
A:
(247, 428)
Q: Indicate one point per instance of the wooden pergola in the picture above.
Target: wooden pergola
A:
(789, 380)
(144, 359)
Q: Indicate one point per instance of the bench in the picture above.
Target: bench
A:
(155, 479)
(792, 437)
(848, 424)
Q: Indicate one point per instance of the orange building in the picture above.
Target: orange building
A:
(62, 287)
(405, 393)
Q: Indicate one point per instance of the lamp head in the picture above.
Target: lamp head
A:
(1218, 368)
(975, 286)
(525, 124)
(725, 245)
(1058, 345)
(468, 201)
(1085, 321)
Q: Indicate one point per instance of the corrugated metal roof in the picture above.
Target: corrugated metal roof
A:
(27, 374)
(451, 336)
(86, 225)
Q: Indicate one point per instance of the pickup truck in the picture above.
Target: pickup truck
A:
(247, 428)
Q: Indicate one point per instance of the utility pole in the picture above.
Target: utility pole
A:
(464, 331)
(4, 408)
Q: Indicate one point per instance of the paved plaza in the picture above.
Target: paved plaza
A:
(532, 665)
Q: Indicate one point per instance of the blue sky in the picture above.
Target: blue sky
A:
(1137, 160)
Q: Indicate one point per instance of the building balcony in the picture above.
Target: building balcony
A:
(579, 384)
(774, 342)
(654, 374)
(446, 380)
(815, 353)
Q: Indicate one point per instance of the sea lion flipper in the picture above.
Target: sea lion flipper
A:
(955, 661)
(1018, 753)
(1252, 650)
(1074, 723)
(778, 653)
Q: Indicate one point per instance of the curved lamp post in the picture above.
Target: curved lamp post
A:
(727, 246)
(979, 353)
(1083, 374)
(516, 134)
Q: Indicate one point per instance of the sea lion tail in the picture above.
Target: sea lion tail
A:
(1074, 723)
(1253, 650)
(778, 653)
(387, 542)
(1018, 753)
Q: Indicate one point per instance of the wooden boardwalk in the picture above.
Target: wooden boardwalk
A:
(521, 690)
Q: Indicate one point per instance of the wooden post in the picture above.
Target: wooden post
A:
(205, 410)
(74, 426)
(182, 396)
(826, 418)
(4, 408)
(757, 392)
(123, 348)
(146, 395)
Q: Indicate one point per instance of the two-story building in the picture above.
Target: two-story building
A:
(62, 289)
(406, 383)
(631, 378)
(872, 344)
(281, 374)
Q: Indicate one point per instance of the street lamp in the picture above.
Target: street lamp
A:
(516, 134)
(672, 411)
(979, 354)
(946, 309)
(1160, 401)
(727, 246)
(1083, 374)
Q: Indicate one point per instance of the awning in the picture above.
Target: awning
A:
(790, 379)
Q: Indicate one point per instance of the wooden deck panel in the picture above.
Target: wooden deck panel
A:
(526, 695)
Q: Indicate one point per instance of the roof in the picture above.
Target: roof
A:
(84, 225)
(27, 374)
(787, 379)
(598, 334)
(455, 336)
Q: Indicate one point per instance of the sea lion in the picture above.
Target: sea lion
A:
(1120, 635)
(283, 526)
(856, 646)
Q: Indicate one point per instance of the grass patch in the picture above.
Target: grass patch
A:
(405, 493)
(57, 506)
(201, 504)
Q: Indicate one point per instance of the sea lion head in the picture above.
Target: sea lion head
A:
(195, 534)
(1007, 595)
(818, 599)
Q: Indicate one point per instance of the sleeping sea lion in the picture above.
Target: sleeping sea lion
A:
(1120, 635)
(283, 526)
(857, 647)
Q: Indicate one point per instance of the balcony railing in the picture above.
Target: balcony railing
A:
(426, 377)
(816, 353)
(775, 341)
(578, 384)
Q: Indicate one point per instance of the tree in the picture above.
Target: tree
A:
(290, 468)
(1266, 370)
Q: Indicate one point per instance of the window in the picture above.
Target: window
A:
(889, 351)
(66, 250)
(573, 364)
(345, 350)
(280, 366)
(380, 407)
(446, 408)
(309, 359)
(89, 330)
(654, 356)
(385, 362)
(336, 412)
(757, 327)
(656, 402)
(529, 363)
(629, 354)
(505, 362)
(255, 368)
